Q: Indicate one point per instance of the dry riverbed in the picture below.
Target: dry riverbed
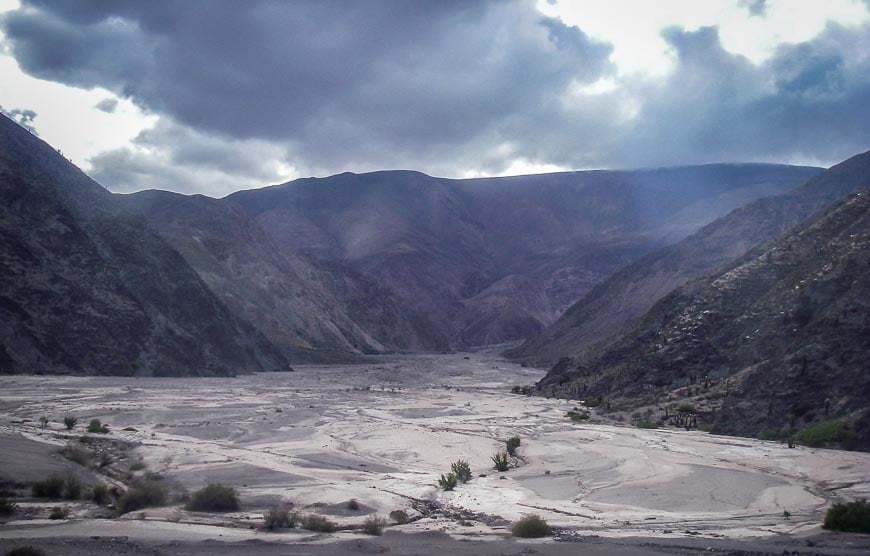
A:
(382, 433)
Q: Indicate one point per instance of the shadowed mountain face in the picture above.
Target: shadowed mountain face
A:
(612, 307)
(474, 262)
(86, 288)
(786, 327)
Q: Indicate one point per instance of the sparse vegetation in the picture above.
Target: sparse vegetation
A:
(852, 516)
(77, 454)
(69, 421)
(531, 527)
(59, 512)
(25, 551)
(130, 429)
(314, 522)
(374, 525)
(686, 408)
(578, 415)
(143, 493)
(447, 482)
(512, 444)
(501, 461)
(352, 504)
(7, 507)
(400, 517)
(96, 427)
(280, 517)
(214, 497)
(100, 494)
(826, 433)
(52, 487)
(73, 488)
(43, 421)
(462, 470)
(644, 424)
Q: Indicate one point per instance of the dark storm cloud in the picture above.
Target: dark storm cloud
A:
(437, 86)
(107, 105)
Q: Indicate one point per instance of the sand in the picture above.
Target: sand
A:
(383, 432)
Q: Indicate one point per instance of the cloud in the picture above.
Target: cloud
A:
(450, 88)
(755, 7)
(107, 105)
(23, 117)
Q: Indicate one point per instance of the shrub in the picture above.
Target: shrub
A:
(137, 465)
(100, 494)
(512, 444)
(51, 487)
(59, 512)
(501, 461)
(214, 498)
(374, 525)
(462, 471)
(73, 490)
(823, 434)
(531, 527)
(644, 424)
(142, 494)
(43, 421)
(852, 516)
(130, 429)
(95, 426)
(69, 421)
(447, 482)
(77, 455)
(280, 517)
(400, 517)
(578, 415)
(25, 551)
(686, 408)
(352, 504)
(7, 507)
(318, 523)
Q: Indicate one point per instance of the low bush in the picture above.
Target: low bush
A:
(137, 465)
(69, 421)
(501, 461)
(51, 487)
(374, 525)
(280, 517)
(214, 498)
(352, 504)
(644, 424)
(73, 488)
(7, 507)
(462, 470)
(578, 415)
(512, 444)
(531, 527)
(400, 517)
(77, 454)
(142, 494)
(852, 516)
(687, 408)
(314, 522)
(825, 434)
(447, 482)
(100, 494)
(59, 512)
(95, 426)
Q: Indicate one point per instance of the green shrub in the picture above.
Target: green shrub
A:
(100, 494)
(73, 490)
(7, 507)
(577, 416)
(214, 498)
(501, 461)
(138, 465)
(512, 444)
(51, 487)
(280, 517)
(686, 408)
(95, 426)
(318, 523)
(644, 424)
(69, 421)
(77, 454)
(852, 516)
(142, 494)
(447, 482)
(25, 551)
(400, 517)
(531, 527)
(827, 433)
(130, 429)
(374, 525)
(59, 512)
(462, 470)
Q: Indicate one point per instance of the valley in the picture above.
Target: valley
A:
(382, 432)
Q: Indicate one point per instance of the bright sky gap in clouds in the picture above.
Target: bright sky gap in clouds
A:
(211, 97)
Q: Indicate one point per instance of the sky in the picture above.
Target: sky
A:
(209, 96)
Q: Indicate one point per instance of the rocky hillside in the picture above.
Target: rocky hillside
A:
(770, 345)
(86, 288)
(613, 306)
(473, 262)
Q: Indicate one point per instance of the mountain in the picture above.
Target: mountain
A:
(775, 341)
(484, 261)
(613, 306)
(87, 288)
